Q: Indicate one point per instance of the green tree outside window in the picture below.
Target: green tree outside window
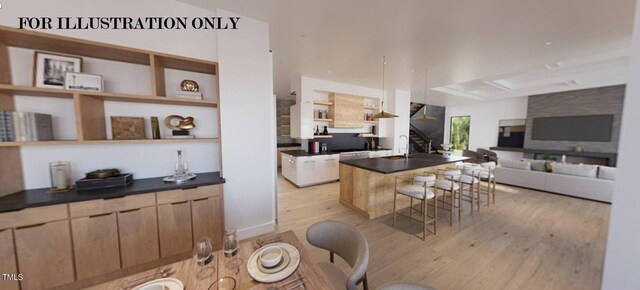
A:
(460, 132)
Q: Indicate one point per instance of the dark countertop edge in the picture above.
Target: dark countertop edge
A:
(302, 153)
(512, 149)
(346, 162)
(206, 178)
(285, 145)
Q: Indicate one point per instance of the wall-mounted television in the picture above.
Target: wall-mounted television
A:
(594, 128)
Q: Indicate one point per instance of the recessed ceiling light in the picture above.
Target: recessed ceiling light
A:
(328, 71)
(366, 79)
(411, 70)
(548, 43)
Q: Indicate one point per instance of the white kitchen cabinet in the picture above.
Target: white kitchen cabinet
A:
(310, 170)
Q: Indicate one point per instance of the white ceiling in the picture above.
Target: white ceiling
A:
(468, 46)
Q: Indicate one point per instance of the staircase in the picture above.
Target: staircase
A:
(415, 107)
(417, 139)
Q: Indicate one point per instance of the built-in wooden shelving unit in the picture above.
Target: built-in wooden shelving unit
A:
(322, 120)
(89, 106)
(321, 103)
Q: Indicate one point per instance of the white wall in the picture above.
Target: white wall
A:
(485, 116)
(623, 246)
(398, 103)
(248, 127)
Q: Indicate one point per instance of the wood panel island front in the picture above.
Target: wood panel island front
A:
(367, 185)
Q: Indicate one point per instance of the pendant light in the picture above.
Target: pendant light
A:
(383, 114)
(424, 116)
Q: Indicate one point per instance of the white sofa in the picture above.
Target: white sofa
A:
(595, 188)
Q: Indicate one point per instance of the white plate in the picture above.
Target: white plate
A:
(256, 274)
(161, 284)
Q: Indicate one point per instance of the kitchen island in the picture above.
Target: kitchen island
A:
(367, 185)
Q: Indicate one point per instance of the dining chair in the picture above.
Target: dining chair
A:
(448, 181)
(405, 286)
(350, 244)
(488, 176)
(419, 187)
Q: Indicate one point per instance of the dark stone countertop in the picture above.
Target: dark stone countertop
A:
(302, 153)
(289, 145)
(41, 197)
(416, 161)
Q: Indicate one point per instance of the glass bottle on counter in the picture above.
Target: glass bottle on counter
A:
(325, 132)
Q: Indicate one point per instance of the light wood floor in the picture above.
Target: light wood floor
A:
(528, 240)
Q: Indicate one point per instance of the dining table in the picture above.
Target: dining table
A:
(234, 267)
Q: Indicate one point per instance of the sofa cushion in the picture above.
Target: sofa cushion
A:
(575, 169)
(537, 165)
(606, 172)
(515, 164)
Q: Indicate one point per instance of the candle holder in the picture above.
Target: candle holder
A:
(61, 180)
(181, 171)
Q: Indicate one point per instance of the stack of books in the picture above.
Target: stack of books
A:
(25, 126)
(189, 95)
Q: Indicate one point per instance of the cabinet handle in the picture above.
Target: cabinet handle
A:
(179, 202)
(309, 161)
(201, 199)
(99, 215)
(129, 210)
(187, 188)
(31, 226)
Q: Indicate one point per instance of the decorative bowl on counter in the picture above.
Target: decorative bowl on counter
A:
(446, 147)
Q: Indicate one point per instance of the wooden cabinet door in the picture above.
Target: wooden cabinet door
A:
(95, 244)
(138, 233)
(174, 223)
(44, 255)
(8, 260)
(347, 111)
(207, 215)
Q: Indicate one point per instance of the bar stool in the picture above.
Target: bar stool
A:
(448, 182)
(487, 175)
(418, 187)
(470, 179)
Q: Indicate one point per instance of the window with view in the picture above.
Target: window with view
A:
(460, 132)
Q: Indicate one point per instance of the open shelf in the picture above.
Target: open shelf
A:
(322, 136)
(321, 103)
(322, 120)
(371, 108)
(371, 122)
(62, 93)
(89, 142)
(67, 45)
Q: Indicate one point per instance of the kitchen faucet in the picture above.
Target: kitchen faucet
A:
(406, 154)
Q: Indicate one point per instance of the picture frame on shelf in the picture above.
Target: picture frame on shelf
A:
(127, 128)
(49, 69)
(83, 82)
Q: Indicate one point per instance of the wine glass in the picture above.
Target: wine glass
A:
(203, 255)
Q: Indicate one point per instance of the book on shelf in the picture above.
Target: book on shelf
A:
(189, 95)
(25, 126)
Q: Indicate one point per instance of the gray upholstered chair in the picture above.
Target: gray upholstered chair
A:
(490, 155)
(405, 286)
(350, 244)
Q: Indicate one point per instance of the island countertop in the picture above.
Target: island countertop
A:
(386, 165)
(41, 197)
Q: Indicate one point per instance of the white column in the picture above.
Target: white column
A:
(623, 246)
